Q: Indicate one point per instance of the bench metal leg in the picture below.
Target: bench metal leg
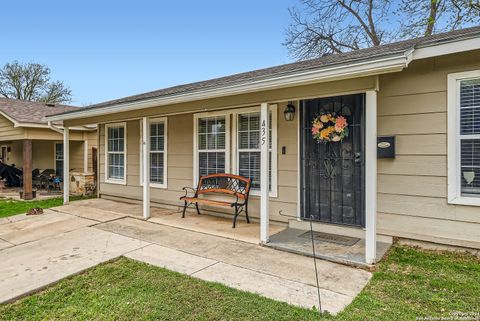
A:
(235, 216)
(184, 209)
(246, 213)
(198, 211)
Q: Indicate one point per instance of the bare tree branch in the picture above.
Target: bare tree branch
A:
(371, 33)
(320, 27)
(432, 18)
(32, 82)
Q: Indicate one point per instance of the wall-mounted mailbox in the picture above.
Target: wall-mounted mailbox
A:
(386, 147)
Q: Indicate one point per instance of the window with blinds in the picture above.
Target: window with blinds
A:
(115, 152)
(211, 140)
(470, 137)
(157, 152)
(248, 147)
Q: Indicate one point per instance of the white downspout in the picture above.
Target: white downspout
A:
(52, 127)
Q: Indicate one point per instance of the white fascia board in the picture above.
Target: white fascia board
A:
(338, 72)
(31, 125)
(46, 126)
(436, 50)
(15, 123)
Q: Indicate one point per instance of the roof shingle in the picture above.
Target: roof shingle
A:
(24, 111)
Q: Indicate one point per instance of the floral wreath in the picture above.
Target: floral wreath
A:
(329, 127)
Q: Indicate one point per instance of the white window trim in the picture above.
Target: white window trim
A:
(114, 180)
(165, 152)
(55, 155)
(454, 152)
(196, 173)
(274, 110)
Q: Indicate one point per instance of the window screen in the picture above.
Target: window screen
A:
(248, 133)
(470, 137)
(211, 145)
(157, 152)
(116, 152)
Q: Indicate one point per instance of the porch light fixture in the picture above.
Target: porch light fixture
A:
(289, 112)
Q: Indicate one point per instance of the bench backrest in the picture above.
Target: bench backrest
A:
(225, 184)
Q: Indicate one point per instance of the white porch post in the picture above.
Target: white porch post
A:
(264, 170)
(85, 156)
(371, 177)
(66, 165)
(146, 167)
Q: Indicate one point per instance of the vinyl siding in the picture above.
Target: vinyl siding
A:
(412, 188)
(91, 137)
(7, 131)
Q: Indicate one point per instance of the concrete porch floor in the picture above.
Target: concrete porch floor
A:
(281, 237)
(294, 241)
(207, 224)
(69, 239)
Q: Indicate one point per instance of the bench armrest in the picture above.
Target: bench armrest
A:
(189, 188)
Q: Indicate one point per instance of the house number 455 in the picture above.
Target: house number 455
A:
(264, 132)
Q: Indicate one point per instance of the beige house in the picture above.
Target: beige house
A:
(409, 166)
(27, 140)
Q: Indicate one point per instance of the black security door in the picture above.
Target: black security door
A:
(332, 174)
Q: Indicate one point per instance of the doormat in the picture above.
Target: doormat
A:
(331, 238)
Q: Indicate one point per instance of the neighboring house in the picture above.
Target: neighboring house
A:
(425, 92)
(27, 140)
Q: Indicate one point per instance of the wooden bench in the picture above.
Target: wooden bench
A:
(227, 184)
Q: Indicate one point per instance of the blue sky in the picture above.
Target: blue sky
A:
(109, 49)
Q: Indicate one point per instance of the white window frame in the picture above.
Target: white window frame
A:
(196, 173)
(115, 180)
(163, 120)
(274, 152)
(55, 155)
(454, 151)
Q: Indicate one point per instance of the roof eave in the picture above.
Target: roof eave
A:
(386, 64)
(469, 43)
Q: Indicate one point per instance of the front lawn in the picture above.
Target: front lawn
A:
(409, 284)
(10, 207)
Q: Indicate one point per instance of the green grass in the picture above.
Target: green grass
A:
(10, 207)
(409, 284)
(412, 283)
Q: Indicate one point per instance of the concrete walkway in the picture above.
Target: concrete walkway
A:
(36, 251)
